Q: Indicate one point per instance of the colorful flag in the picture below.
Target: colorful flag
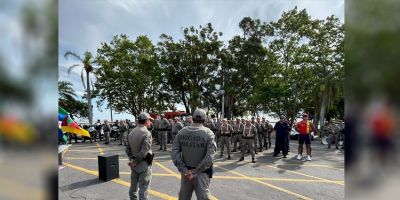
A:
(68, 125)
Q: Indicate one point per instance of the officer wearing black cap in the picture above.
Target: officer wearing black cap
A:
(192, 153)
(140, 157)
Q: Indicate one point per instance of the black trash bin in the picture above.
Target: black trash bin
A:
(108, 167)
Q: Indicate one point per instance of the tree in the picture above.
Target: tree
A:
(86, 62)
(190, 64)
(327, 57)
(65, 90)
(67, 100)
(129, 77)
(287, 87)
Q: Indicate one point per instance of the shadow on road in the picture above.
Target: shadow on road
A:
(80, 184)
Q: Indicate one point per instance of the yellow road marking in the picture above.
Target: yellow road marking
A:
(176, 175)
(267, 184)
(306, 175)
(286, 164)
(243, 178)
(84, 150)
(87, 158)
(121, 182)
(100, 149)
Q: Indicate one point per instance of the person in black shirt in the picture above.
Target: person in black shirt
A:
(282, 128)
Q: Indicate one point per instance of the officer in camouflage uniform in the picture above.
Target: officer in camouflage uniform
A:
(123, 129)
(259, 134)
(139, 151)
(332, 131)
(254, 123)
(106, 131)
(218, 134)
(176, 127)
(249, 132)
(162, 127)
(192, 153)
(237, 134)
(209, 124)
(267, 130)
(226, 131)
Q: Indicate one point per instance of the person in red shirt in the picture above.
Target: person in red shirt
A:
(304, 128)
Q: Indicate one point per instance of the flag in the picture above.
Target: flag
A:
(68, 125)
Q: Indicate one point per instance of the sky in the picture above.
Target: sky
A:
(84, 24)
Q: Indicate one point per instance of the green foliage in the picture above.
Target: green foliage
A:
(189, 65)
(129, 77)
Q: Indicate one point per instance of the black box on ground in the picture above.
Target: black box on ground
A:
(108, 167)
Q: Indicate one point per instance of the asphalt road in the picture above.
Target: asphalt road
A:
(268, 178)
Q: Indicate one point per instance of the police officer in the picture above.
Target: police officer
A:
(218, 132)
(162, 127)
(209, 124)
(255, 140)
(237, 134)
(140, 157)
(249, 132)
(192, 153)
(106, 131)
(226, 131)
(267, 130)
(281, 128)
(259, 134)
(333, 134)
(123, 128)
(169, 132)
(97, 127)
(176, 127)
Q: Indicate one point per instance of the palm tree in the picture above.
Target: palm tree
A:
(87, 60)
(65, 90)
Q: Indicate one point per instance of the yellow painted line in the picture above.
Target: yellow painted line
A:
(243, 178)
(100, 149)
(306, 175)
(83, 158)
(267, 184)
(178, 176)
(287, 164)
(121, 182)
(83, 150)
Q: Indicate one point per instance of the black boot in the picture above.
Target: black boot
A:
(253, 160)
(241, 159)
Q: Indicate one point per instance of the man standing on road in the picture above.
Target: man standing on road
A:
(282, 128)
(249, 132)
(176, 127)
(106, 131)
(254, 123)
(192, 153)
(304, 128)
(237, 134)
(259, 134)
(123, 128)
(97, 127)
(140, 157)
(226, 131)
(332, 131)
(162, 127)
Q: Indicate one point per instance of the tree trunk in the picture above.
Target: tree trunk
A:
(89, 97)
(324, 104)
(183, 98)
(110, 105)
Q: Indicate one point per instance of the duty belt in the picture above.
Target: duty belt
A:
(208, 171)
